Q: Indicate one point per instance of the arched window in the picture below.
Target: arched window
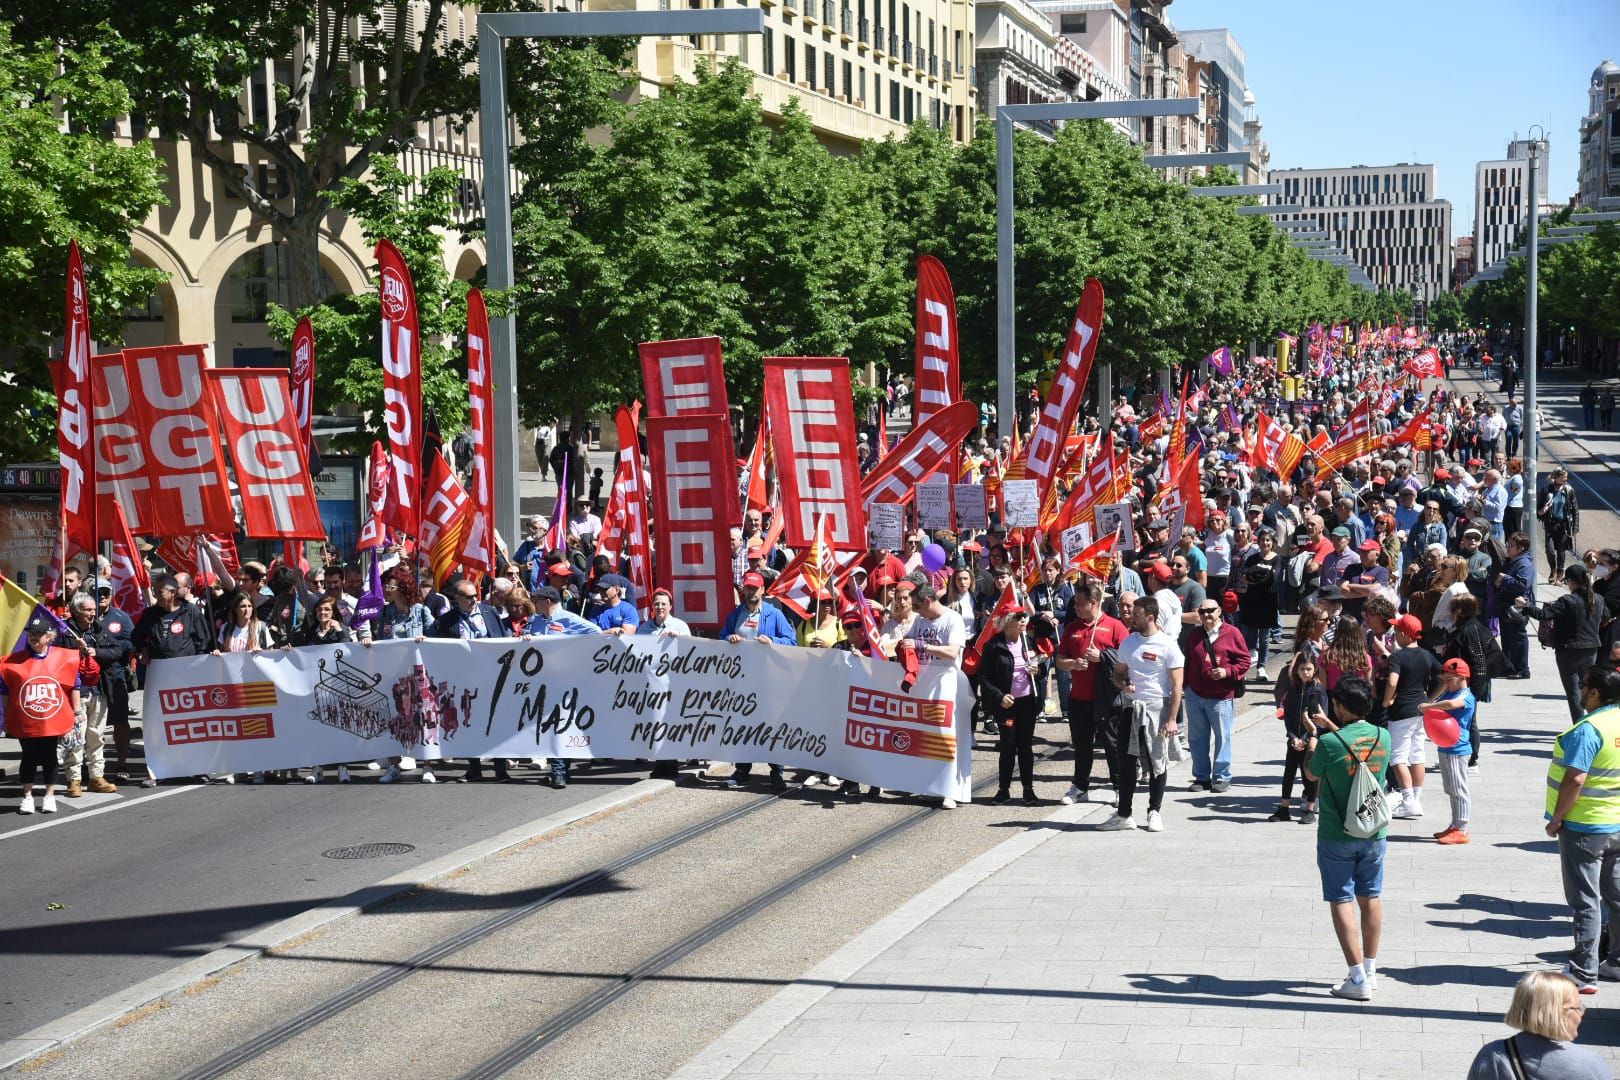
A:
(257, 279)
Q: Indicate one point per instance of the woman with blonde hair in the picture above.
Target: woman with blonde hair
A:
(1547, 1010)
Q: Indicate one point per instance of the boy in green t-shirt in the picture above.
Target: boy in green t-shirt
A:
(1352, 869)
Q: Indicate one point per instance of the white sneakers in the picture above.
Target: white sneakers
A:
(389, 776)
(1100, 796)
(47, 805)
(947, 804)
(1071, 796)
(1411, 806)
(1353, 990)
(316, 775)
(1115, 823)
(407, 764)
(428, 777)
(1155, 823)
(26, 806)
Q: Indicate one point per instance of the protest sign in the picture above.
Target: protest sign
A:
(1022, 503)
(934, 502)
(971, 510)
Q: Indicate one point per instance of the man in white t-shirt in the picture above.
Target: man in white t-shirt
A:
(1148, 673)
(938, 630)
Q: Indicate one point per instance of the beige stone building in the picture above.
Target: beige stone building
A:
(860, 69)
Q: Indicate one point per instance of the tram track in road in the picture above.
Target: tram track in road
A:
(570, 1004)
(340, 1003)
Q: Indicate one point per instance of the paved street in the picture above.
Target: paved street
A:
(1204, 951)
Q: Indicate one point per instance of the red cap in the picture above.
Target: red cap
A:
(1161, 571)
(851, 618)
(756, 551)
(1442, 474)
(884, 578)
(665, 593)
(1409, 625)
(754, 579)
(906, 586)
(561, 569)
(1456, 667)
(1370, 545)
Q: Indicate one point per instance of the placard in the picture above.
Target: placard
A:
(1076, 538)
(934, 503)
(971, 510)
(886, 522)
(1021, 503)
(1111, 516)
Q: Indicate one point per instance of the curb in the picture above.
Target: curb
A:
(745, 1038)
(98, 1014)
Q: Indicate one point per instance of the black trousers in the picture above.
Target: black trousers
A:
(1086, 730)
(1295, 762)
(1573, 664)
(1018, 741)
(1128, 767)
(38, 755)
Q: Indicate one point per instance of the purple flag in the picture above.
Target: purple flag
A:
(1220, 360)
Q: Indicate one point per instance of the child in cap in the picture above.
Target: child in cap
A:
(1456, 699)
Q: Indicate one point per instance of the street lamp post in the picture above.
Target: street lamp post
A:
(1006, 117)
(493, 32)
(1531, 428)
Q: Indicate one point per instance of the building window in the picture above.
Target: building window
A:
(768, 59)
(255, 281)
(792, 59)
(829, 73)
(1071, 24)
(861, 97)
(810, 65)
(894, 100)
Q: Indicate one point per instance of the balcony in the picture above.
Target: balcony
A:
(846, 23)
(894, 43)
(865, 36)
(905, 53)
(878, 38)
(829, 13)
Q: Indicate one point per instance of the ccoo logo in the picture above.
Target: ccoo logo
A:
(391, 292)
(41, 697)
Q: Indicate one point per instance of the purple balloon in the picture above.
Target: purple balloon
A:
(933, 557)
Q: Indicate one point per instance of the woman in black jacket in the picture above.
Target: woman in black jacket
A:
(1470, 641)
(1007, 692)
(1578, 617)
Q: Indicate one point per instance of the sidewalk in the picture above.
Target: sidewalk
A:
(1206, 950)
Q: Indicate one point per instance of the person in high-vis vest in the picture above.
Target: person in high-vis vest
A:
(42, 705)
(1583, 815)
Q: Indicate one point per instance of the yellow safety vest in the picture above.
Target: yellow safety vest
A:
(1599, 800)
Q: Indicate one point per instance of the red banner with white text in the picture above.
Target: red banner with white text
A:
(268, 450)
(478, 550)
(813, 434)
(72, 378)
(687, 377)
(692, 473)
(402, 386)
(179, 433)
(120, 455)
(924, 449)
(939, 372)
(1068, 387)
(302, 384)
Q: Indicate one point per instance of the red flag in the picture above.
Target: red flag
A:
(1425, 365)
(75, 448)
(378, 490)
(1183, 496)
(813, 434)
(1095, 486)
(1068, 387)
(1097, 559)
(754, 475)
(795, 586)
(302, 385)
(849, 598)
(179, 431)
(1355, 440)
(883, 436)
(924, 449)
(130, 582)
(939, 373)
(479, 548)
(1276, 449)
(1415, 431)
(1178, 431)
(624, 528)
(402, 387)
(272, 474)
(446, 517)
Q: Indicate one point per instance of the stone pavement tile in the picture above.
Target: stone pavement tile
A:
(1378, 1060)
(1293, 1072)
(841, 1064)
(948, 1068)
(1024, 1069)
(1033, 1049)
(1185, 1036)
(907, 1012)
(842, 1009)
(1080, 1048)
(1443, 1063)
(1344, 1032)
(1240, 1055)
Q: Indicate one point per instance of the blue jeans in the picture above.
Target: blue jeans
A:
(1350, 868)
(1206, 716)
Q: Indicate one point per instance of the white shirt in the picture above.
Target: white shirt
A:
(1170, 610)
(948, 629)
(1149, 661)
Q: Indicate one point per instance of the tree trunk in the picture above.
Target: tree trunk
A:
(302, 232)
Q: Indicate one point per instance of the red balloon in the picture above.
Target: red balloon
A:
(1442, 727)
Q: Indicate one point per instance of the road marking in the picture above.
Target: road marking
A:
(121, 804)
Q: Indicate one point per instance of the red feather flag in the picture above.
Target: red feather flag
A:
(402, 387)
(1043, 455)
(75, 448)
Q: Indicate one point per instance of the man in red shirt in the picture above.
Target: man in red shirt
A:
(1086, 653)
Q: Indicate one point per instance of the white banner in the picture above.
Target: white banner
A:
(665, 698)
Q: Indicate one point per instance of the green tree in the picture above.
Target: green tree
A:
(348, 329)
(369, 72)
(1446, 313)
(58, 186)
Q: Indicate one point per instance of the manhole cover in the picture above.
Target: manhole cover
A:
(368, 851)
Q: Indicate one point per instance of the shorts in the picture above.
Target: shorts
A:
(1350, 868)
(1407, 742)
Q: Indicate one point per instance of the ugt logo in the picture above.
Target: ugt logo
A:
(391, 291)
(41, 697)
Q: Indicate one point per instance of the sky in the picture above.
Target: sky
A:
(1442, 82)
